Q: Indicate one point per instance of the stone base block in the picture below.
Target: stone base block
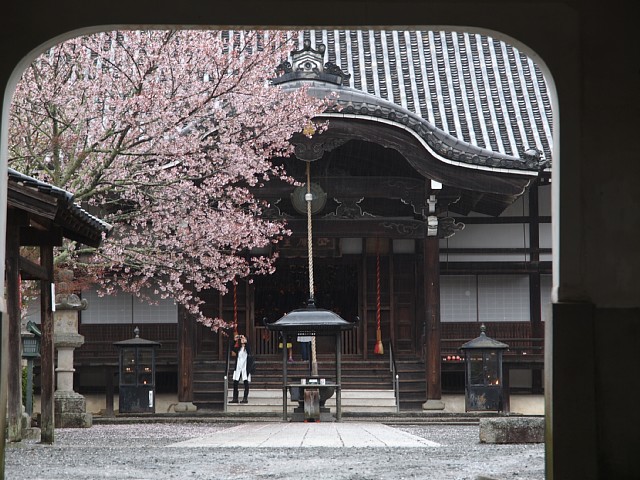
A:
(73, 420)
(69, 402)
(185, 407)
(512, 430)
(31, 433)
(71, 410)
(433, 405)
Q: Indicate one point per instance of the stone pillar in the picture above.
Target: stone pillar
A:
(70, 407)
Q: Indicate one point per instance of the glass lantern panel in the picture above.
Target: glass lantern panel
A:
(145, 358)
(491, 368)
(128, 373)
(476, 370)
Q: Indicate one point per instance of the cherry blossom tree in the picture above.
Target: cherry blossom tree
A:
(163, 134)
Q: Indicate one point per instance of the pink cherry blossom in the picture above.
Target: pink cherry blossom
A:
(163, 134)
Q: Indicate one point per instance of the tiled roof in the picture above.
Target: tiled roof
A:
(482, 91)
(77, 223)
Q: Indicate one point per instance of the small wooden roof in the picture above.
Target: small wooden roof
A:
(483, 342)
(311, 321)
(136, 341)
(51, 213)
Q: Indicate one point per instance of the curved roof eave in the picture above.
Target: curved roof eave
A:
(442, 146)
(478, 89)
(77, 223)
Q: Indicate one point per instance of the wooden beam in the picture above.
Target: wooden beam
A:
(14, 383)
(35, 237)
(47, 362)
(186, 327)
(535, 312)
(32, 201)
(490, 268)
(32, 271)
(365, 309)
(17, 217)
(392, 301)
(427, 165)
(355, 186)
(502, 220)
(494, 251)
(373, 227)
(433, 330)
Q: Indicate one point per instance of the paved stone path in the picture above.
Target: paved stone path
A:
(272, 451)
(293, 435)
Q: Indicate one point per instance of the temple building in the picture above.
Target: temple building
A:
(431, 216)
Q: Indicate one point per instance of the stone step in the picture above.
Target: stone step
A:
(346, 394)
(270, 400)
(273, 409)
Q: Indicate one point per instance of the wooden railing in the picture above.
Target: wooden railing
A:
(98, 345)
(515, 334)
(266, 342)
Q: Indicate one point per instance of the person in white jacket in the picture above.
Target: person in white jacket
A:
(245, 366)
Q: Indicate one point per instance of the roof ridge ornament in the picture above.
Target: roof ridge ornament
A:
(535, 159)
(307, 64)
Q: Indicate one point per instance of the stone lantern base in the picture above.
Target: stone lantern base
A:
(70, 410)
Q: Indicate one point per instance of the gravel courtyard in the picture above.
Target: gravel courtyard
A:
(143, 451)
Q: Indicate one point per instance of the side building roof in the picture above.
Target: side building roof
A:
(53, 206)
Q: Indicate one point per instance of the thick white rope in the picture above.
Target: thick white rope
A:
(309, 198)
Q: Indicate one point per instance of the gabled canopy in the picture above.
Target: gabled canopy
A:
(483, 342)
(311, 321)
(51, 208)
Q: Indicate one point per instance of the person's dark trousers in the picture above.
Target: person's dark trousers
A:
(235, 392)
(245, 398)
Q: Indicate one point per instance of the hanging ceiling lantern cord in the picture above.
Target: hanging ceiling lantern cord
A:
(378, 349)
(309, 198)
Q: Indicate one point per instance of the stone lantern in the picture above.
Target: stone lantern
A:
(70, 406)
(483, 373)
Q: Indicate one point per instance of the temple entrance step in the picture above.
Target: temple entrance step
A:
(357, 375)
(270, 401)
(413, 392)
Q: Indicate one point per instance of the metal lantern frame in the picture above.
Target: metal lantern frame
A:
(137, 374)
(312, 321)
(484, 386)
(30, 351)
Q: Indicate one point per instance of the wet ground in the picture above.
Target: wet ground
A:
(358, 451)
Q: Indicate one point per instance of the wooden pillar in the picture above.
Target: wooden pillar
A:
(108, 380)
(338, 376)
(432, 304)
(46, 348)
(186, 328)
(4, 368)
(365, 305)
(392, 299)
(14, 380)
(285, 375)
(537, 328)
